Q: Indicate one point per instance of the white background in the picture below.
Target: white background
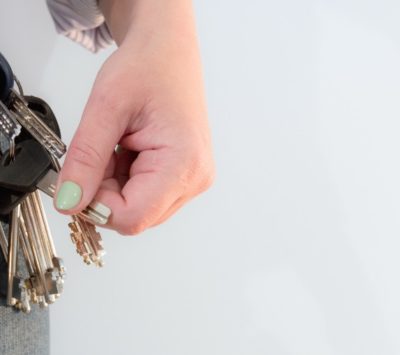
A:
(295, 249)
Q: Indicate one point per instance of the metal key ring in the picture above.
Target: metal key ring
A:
(12, 149)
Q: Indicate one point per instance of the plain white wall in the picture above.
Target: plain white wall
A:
(295, 250)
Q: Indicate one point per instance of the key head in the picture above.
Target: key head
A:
(6, 78)
(44, 111)
(30, 164)
(11, 198)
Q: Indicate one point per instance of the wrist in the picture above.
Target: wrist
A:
(119, 17)
(138, 21)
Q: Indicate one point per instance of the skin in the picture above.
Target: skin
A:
(148, 97)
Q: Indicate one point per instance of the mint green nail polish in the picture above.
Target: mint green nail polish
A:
(68, 196)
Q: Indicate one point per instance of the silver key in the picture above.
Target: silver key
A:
(13, 280)
(87, 241)
(30, 283)
(35, 126)
(38, 280)
(3, 243)
(17, 293)
(48, 273)
(96, 212)
(9, 126)
(55, 270)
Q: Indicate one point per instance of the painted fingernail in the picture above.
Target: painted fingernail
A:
(69, 195)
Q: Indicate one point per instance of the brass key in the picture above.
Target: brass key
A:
(87, 241)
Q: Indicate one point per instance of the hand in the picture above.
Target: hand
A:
(147, 98)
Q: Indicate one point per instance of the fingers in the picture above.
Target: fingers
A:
(89, 154)
(145, 197)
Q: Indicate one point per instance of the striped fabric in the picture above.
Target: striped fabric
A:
(81, 21)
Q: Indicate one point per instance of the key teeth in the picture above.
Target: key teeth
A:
(87, 241)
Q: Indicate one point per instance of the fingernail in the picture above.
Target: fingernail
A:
(69, 195)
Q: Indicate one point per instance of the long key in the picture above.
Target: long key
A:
(13, 280)
(39, 262)
(51, 266)
(31, 282)
(55, 270)
(35, 126)
(17, 293)
(3, 243)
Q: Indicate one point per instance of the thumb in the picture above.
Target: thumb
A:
(89, 153)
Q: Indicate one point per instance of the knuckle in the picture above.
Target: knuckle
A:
(83, 153)
(200, 172)
(133, 229)
(208, 180)
(141, 222)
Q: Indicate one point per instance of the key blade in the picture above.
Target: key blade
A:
(3, 243)
(48, 183)
(36, 127)
(13, 255)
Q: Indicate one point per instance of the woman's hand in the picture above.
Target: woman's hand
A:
(148, 99)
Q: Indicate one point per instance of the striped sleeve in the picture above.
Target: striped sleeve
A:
(81, 21)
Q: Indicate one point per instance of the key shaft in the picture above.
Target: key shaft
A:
(12, 256)
(3, 243)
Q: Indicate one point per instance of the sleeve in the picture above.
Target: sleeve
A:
(81, 21)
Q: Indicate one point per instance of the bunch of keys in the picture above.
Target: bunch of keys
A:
(29, 165)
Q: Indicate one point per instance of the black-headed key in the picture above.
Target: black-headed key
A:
(32, 169)
(10, 198)
(30, 165)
